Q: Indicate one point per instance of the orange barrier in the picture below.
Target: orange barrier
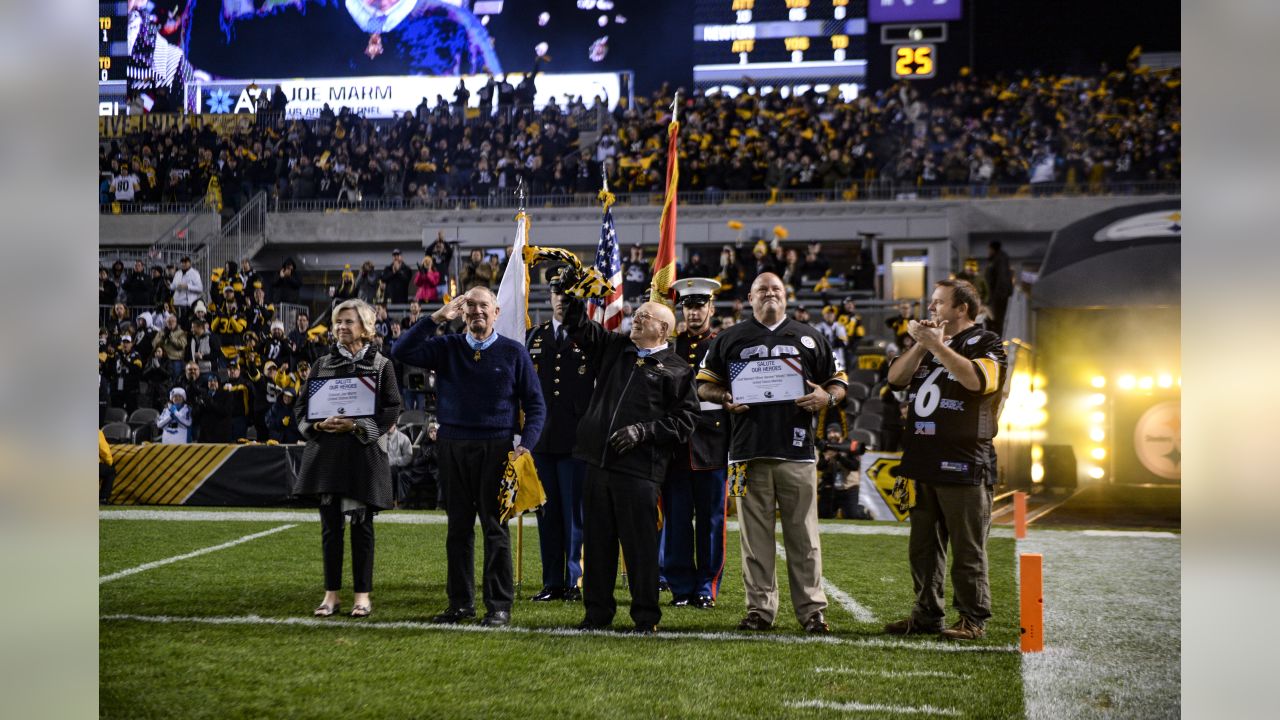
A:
(1020, 515)
(1031, 570)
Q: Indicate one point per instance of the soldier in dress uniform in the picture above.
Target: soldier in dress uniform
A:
(694, 494)
(567, 381)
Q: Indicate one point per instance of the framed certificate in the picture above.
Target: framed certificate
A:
(349, 397)
(768, 380)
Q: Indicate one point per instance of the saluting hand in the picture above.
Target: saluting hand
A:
(450, 311)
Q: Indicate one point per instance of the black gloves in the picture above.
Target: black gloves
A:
(625, 439)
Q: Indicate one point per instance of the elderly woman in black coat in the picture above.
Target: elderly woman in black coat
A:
(342, 464)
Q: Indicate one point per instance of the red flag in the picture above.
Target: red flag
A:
(664, 264)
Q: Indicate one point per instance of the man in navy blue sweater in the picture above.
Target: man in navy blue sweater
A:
(483, 382)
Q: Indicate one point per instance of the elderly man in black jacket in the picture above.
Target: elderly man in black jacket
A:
(643, 407)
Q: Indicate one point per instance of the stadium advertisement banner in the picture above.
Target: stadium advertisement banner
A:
(888, 11)
(111, 127)
(384, 97)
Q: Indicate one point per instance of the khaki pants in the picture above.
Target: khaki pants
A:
(792, 488)
(960, 515)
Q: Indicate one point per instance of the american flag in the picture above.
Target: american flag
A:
(608, 311)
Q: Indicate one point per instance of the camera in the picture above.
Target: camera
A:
(852, 448)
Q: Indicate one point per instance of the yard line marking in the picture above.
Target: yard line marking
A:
(1128, 534)
(890, 674)
(884, 644)
(414, 518)
(844, 599)
(188, 556)
(875, 708)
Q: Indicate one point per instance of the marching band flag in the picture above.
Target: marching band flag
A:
(664, 264)
(608, 311)
(513, 293)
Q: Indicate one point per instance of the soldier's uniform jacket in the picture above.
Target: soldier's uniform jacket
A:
(709, 443)
(567, 379)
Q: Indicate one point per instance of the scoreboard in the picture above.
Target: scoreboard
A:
(919, 41)
(789, 42)
(113, 40)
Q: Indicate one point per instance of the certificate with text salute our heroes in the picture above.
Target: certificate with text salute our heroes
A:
(348, 397)
(770, 380)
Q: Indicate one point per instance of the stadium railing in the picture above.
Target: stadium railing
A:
(879, 191)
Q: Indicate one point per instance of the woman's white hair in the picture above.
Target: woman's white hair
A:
(363, 310)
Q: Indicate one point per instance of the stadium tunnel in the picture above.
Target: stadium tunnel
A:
(1095, 388)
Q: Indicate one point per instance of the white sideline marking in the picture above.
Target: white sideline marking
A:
(884, 644)
(875, 708)
(889, 674)
(844, 599)
(1129, 533)
(187, 556)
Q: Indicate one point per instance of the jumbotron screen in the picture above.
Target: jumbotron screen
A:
(173, 41)
(752, 32)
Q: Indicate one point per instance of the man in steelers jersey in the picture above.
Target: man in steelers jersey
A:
(773, 437)
(955, 372)
(567, 381)
(693, 498)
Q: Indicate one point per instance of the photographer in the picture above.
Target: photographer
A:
(838, 477)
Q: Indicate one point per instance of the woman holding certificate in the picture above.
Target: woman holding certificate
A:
(348, 402)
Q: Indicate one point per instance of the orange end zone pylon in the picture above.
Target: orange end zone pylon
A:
(1031, 571)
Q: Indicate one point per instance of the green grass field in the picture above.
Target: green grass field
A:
(229, 634)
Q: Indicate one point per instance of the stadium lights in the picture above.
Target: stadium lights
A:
(1097, 399)
(1146, 383)
(1098, 381)
(1127, 382)
(1037, 473)
(1097, 434)
(1037, 452)
(1096, 473)
(1165, 380)
(1098, 453)
(1098, 417)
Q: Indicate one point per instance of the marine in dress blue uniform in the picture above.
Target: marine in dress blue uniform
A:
(693, 496)
(567, 381)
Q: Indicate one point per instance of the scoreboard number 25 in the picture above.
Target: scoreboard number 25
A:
(916, 61)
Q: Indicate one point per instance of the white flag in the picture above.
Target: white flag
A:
(513, 293)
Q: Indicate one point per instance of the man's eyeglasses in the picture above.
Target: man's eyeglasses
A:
(646, 317)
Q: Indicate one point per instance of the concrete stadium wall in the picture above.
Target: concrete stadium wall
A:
(952, 221)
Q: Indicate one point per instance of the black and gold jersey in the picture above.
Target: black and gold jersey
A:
(780, 430)
(949, 428)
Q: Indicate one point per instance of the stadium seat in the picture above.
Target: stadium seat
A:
(413, 431)
(412, 417)
(865, 438)
(143, 415)
(852, 406)
(142, 432)
(873, 404)
(866, 377)
(868, 421)
(118, 432)
(858, 391)
(115, 414)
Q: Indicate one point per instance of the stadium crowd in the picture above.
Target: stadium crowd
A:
(1043, 131)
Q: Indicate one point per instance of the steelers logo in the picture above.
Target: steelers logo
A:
(1157, 440)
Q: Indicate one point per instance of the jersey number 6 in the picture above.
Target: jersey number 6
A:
(929, 395)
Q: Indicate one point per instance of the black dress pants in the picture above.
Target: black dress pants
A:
(471, 472)
(619, 509)
(331, 531)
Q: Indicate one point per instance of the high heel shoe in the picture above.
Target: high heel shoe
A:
(326, 610)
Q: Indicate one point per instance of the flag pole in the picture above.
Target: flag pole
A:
(675, 108)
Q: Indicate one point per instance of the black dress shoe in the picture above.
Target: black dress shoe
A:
(547, 594)
(496, 618)
(643, 630)
(452, 616)
(664, 586)
(573, 594)
(755, 622)
(682, 601)
(817, 625)
(703, 602)
(588, 624)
